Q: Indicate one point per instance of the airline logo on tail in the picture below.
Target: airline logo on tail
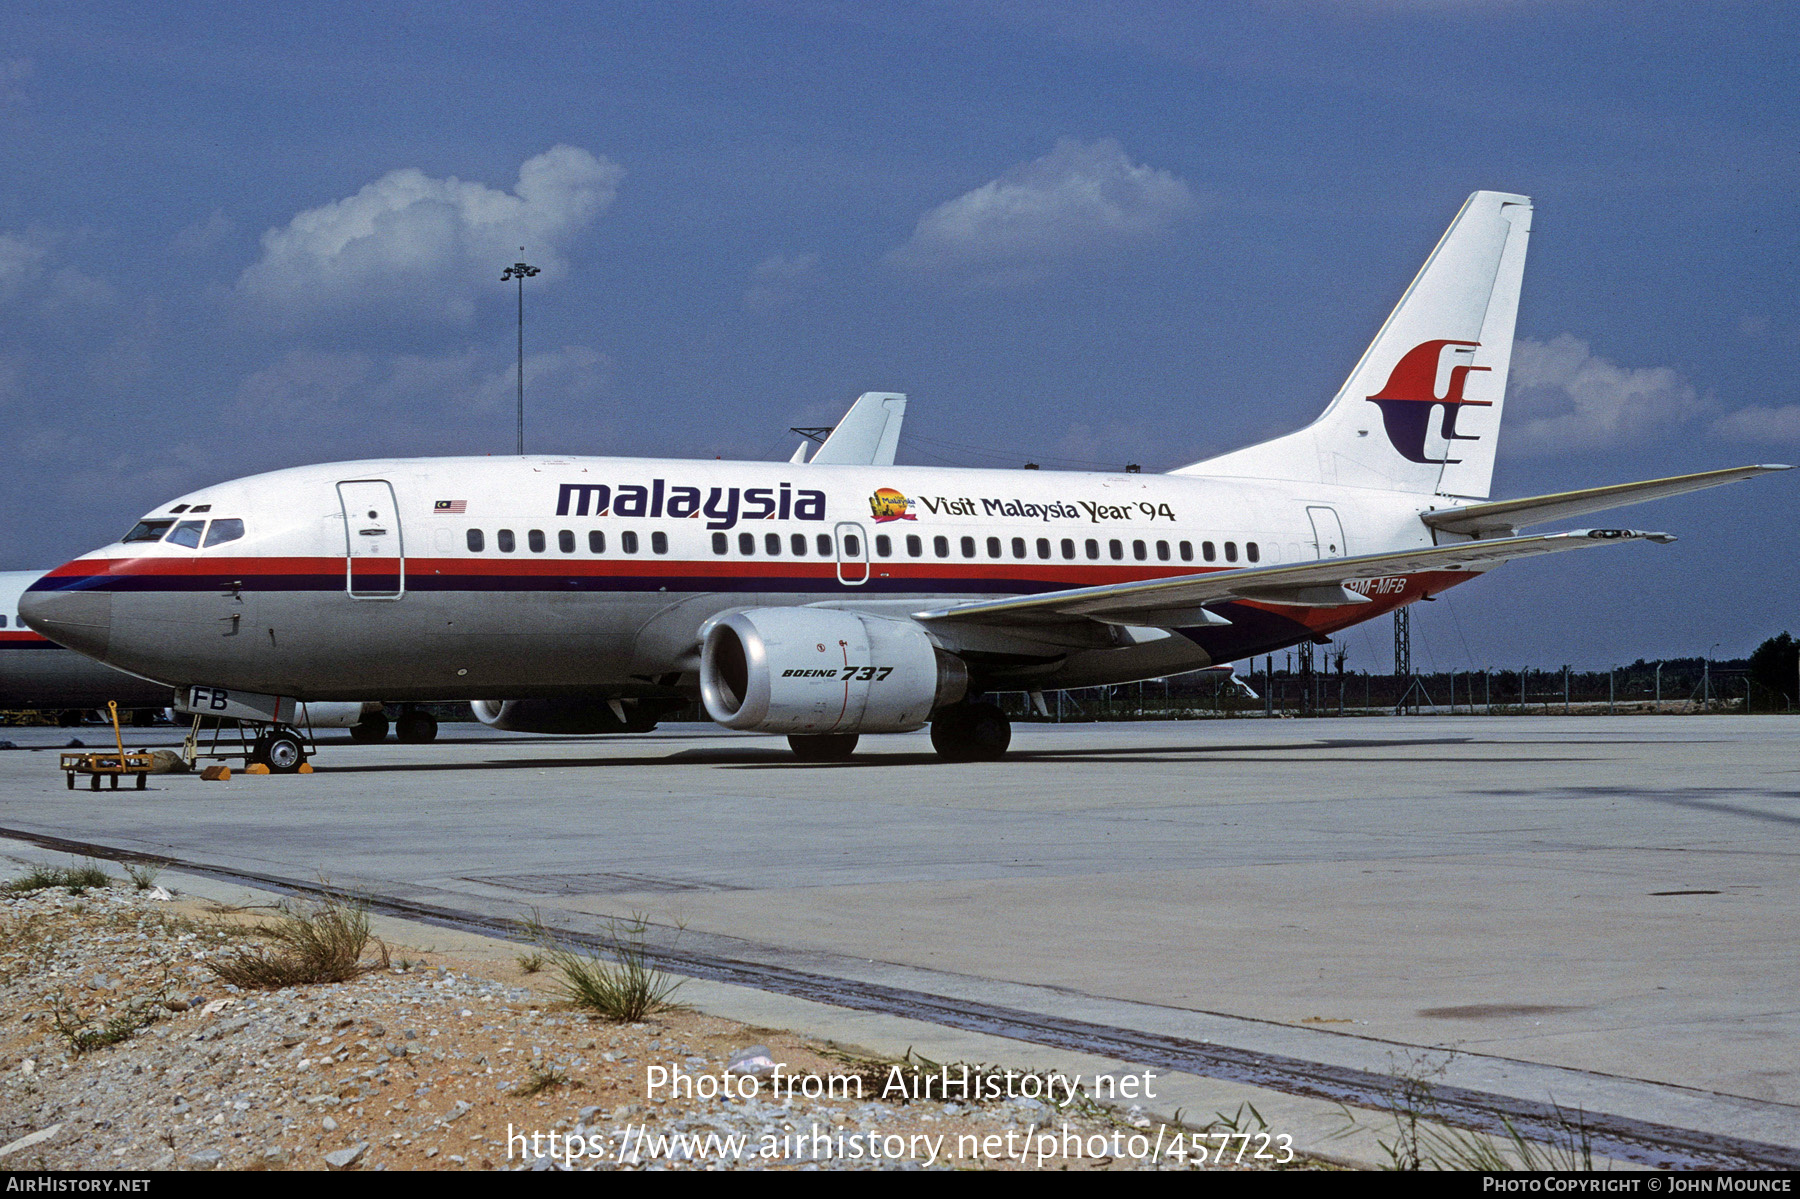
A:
(1411, 393)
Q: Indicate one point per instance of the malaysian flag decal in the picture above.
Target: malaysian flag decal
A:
(450, 507)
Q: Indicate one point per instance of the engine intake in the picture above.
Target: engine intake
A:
(820, 670)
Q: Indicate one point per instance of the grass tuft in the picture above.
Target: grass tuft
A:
(621, 985)
(541, 1080)
(318, 943)
(144, 876)
(1422, 1141)
(76, 878)
(85, 1035)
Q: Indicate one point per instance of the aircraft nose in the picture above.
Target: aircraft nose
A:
(81, 620)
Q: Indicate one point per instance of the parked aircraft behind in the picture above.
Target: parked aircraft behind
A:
(824, 601)
(37, 673)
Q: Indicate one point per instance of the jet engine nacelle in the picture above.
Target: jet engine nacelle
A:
(571, 715)
(821, 670)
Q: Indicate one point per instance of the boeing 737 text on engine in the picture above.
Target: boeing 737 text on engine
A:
(826, 599)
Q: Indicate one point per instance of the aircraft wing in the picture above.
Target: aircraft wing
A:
(1505, 517)
(1327, 583)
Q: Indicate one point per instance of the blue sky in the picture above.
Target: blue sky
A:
(234, 238)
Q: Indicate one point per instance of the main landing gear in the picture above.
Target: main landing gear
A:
(415, 727)
(825, 747)
(971, 732)
(373, 727)
(964, 732)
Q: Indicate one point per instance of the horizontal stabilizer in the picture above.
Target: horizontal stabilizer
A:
(1328, 582)
(1505, 517)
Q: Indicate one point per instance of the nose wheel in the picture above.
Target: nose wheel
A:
(967, 732)
(281, 750)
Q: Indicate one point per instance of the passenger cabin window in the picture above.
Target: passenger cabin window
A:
(993, 547)
(1231, 551)
(1187, 551)
(1093, 548)
(968, 547)
(1251, 552)
(628, 541)
(746, 543)
(476, 541)
(147, 530)
(659, 542)
(1116, 549)
(721, 543)
(565, 541)
(596, 542)
(914, 547)
(798, 540)
(884, 546)
(503, 541)
(1207, 551)
(535, 539)
(1139, 551)
(940, 546)
(852, 546)
(772, 543)
(187, 533)
(1043, 547)
(228, 529)
(1068, 548)
(1162, 551)
(825, 545)
(1018, 547)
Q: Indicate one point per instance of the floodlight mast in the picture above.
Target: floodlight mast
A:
(521, 271)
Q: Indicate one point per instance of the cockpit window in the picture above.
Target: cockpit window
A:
(187, 533)
(228, 529)
(148, 530)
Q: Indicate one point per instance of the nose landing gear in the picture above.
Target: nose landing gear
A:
(280, 749)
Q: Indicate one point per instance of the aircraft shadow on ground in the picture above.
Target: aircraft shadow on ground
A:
(778, 757)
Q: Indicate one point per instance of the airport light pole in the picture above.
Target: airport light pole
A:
(521, 271)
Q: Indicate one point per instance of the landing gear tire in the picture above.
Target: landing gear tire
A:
(282, 752)
(827, 747)
(370, 729)
(415, 727)
(971, 733)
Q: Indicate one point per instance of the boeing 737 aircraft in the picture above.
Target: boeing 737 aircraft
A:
(821, 600)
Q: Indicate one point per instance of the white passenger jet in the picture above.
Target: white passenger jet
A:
(822, 601)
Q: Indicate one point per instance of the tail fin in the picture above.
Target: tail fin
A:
(1421, 411)
(868, 434)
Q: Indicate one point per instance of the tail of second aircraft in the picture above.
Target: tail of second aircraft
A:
(1421, 411)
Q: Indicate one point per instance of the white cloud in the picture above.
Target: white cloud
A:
(434, 391)
(27, 273)
(1082, 198)
(413, 247)
(1572, 399)
(1772, 426)
(202, 236)
(22, 263)
(779, 278)
(14, 72)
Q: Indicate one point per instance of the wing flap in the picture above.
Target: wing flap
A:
(1324, 583)
(1505, 517)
